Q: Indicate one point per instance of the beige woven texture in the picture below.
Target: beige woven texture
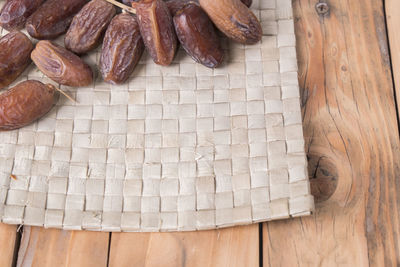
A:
(176, 148)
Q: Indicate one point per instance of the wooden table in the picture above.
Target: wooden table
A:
(349, 61)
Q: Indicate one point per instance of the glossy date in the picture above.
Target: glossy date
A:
(14, 13)
(234, 19)
(53, 18)
(197, 35)
(61, 65)
(25, 103)
(15, 50)
(157, 29)
(88, 26)
(122, 49)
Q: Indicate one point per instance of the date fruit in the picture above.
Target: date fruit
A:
(61, 65)
(234, 19)
(14, 13)
(25, 103)
(175, 5)
(157, 29)
(15, 50)
(247, 2)
(122, 49)
(197, 35)
(88, 26)
(53, 18)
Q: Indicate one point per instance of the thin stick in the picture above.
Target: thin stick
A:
(67, 96)
(124, 7)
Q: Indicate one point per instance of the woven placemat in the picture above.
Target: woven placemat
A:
(176, 148)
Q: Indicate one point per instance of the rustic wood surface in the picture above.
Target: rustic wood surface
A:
(230, 247)
(392, 8)
(352, 140)
(51, 247)
(8, 234)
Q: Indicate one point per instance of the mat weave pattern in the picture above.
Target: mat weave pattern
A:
(176, 148)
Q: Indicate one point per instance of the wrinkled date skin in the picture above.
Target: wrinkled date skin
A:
(122, 49)
(197, 35)
(175, 5)
(61, 65)
(234, 19)
(88, 26)
(53, 18)
(25, 103)
(14, 13)
(157, 29)
(15, 51)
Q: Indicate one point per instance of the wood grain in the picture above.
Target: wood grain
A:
(393, 23)
(230, 247)
(51, 247)
(352, 141)
(8, 235)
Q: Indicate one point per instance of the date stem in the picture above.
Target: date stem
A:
(65, 94)
(124, 7)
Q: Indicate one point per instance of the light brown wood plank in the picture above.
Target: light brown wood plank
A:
(230, 247)
(352, 141)
(393, 26)
(51, 247)
(8, 235)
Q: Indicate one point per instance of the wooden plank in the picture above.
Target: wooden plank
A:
(51, 247)
(8, 236)
(393, 23)
(352, 141)
(230, 247)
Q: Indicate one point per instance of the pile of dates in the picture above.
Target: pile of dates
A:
(157, 26)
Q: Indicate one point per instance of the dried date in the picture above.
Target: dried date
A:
(234, 19)
(88, 26)
(25, 103)
(53, 18)
(15, 50)
(128, 2)
(122, 49)
(197, 35)
(61, 65)
(247, 2)
(157, 29)
(175, 5)
(14, 13)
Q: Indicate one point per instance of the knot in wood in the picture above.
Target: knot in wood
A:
(322, 8)
(323, 177)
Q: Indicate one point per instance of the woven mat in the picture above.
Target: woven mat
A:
(176, 148)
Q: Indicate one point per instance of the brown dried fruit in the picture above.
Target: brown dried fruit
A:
(157, 29)
(128, 2)
(15, 13)
(61, 65)
(234, 19)
(15, 50)
(197, 35)
(53, 18)
(175, 5)
(25, 103)
(247, 2)
(88, 26)
(122, 49)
